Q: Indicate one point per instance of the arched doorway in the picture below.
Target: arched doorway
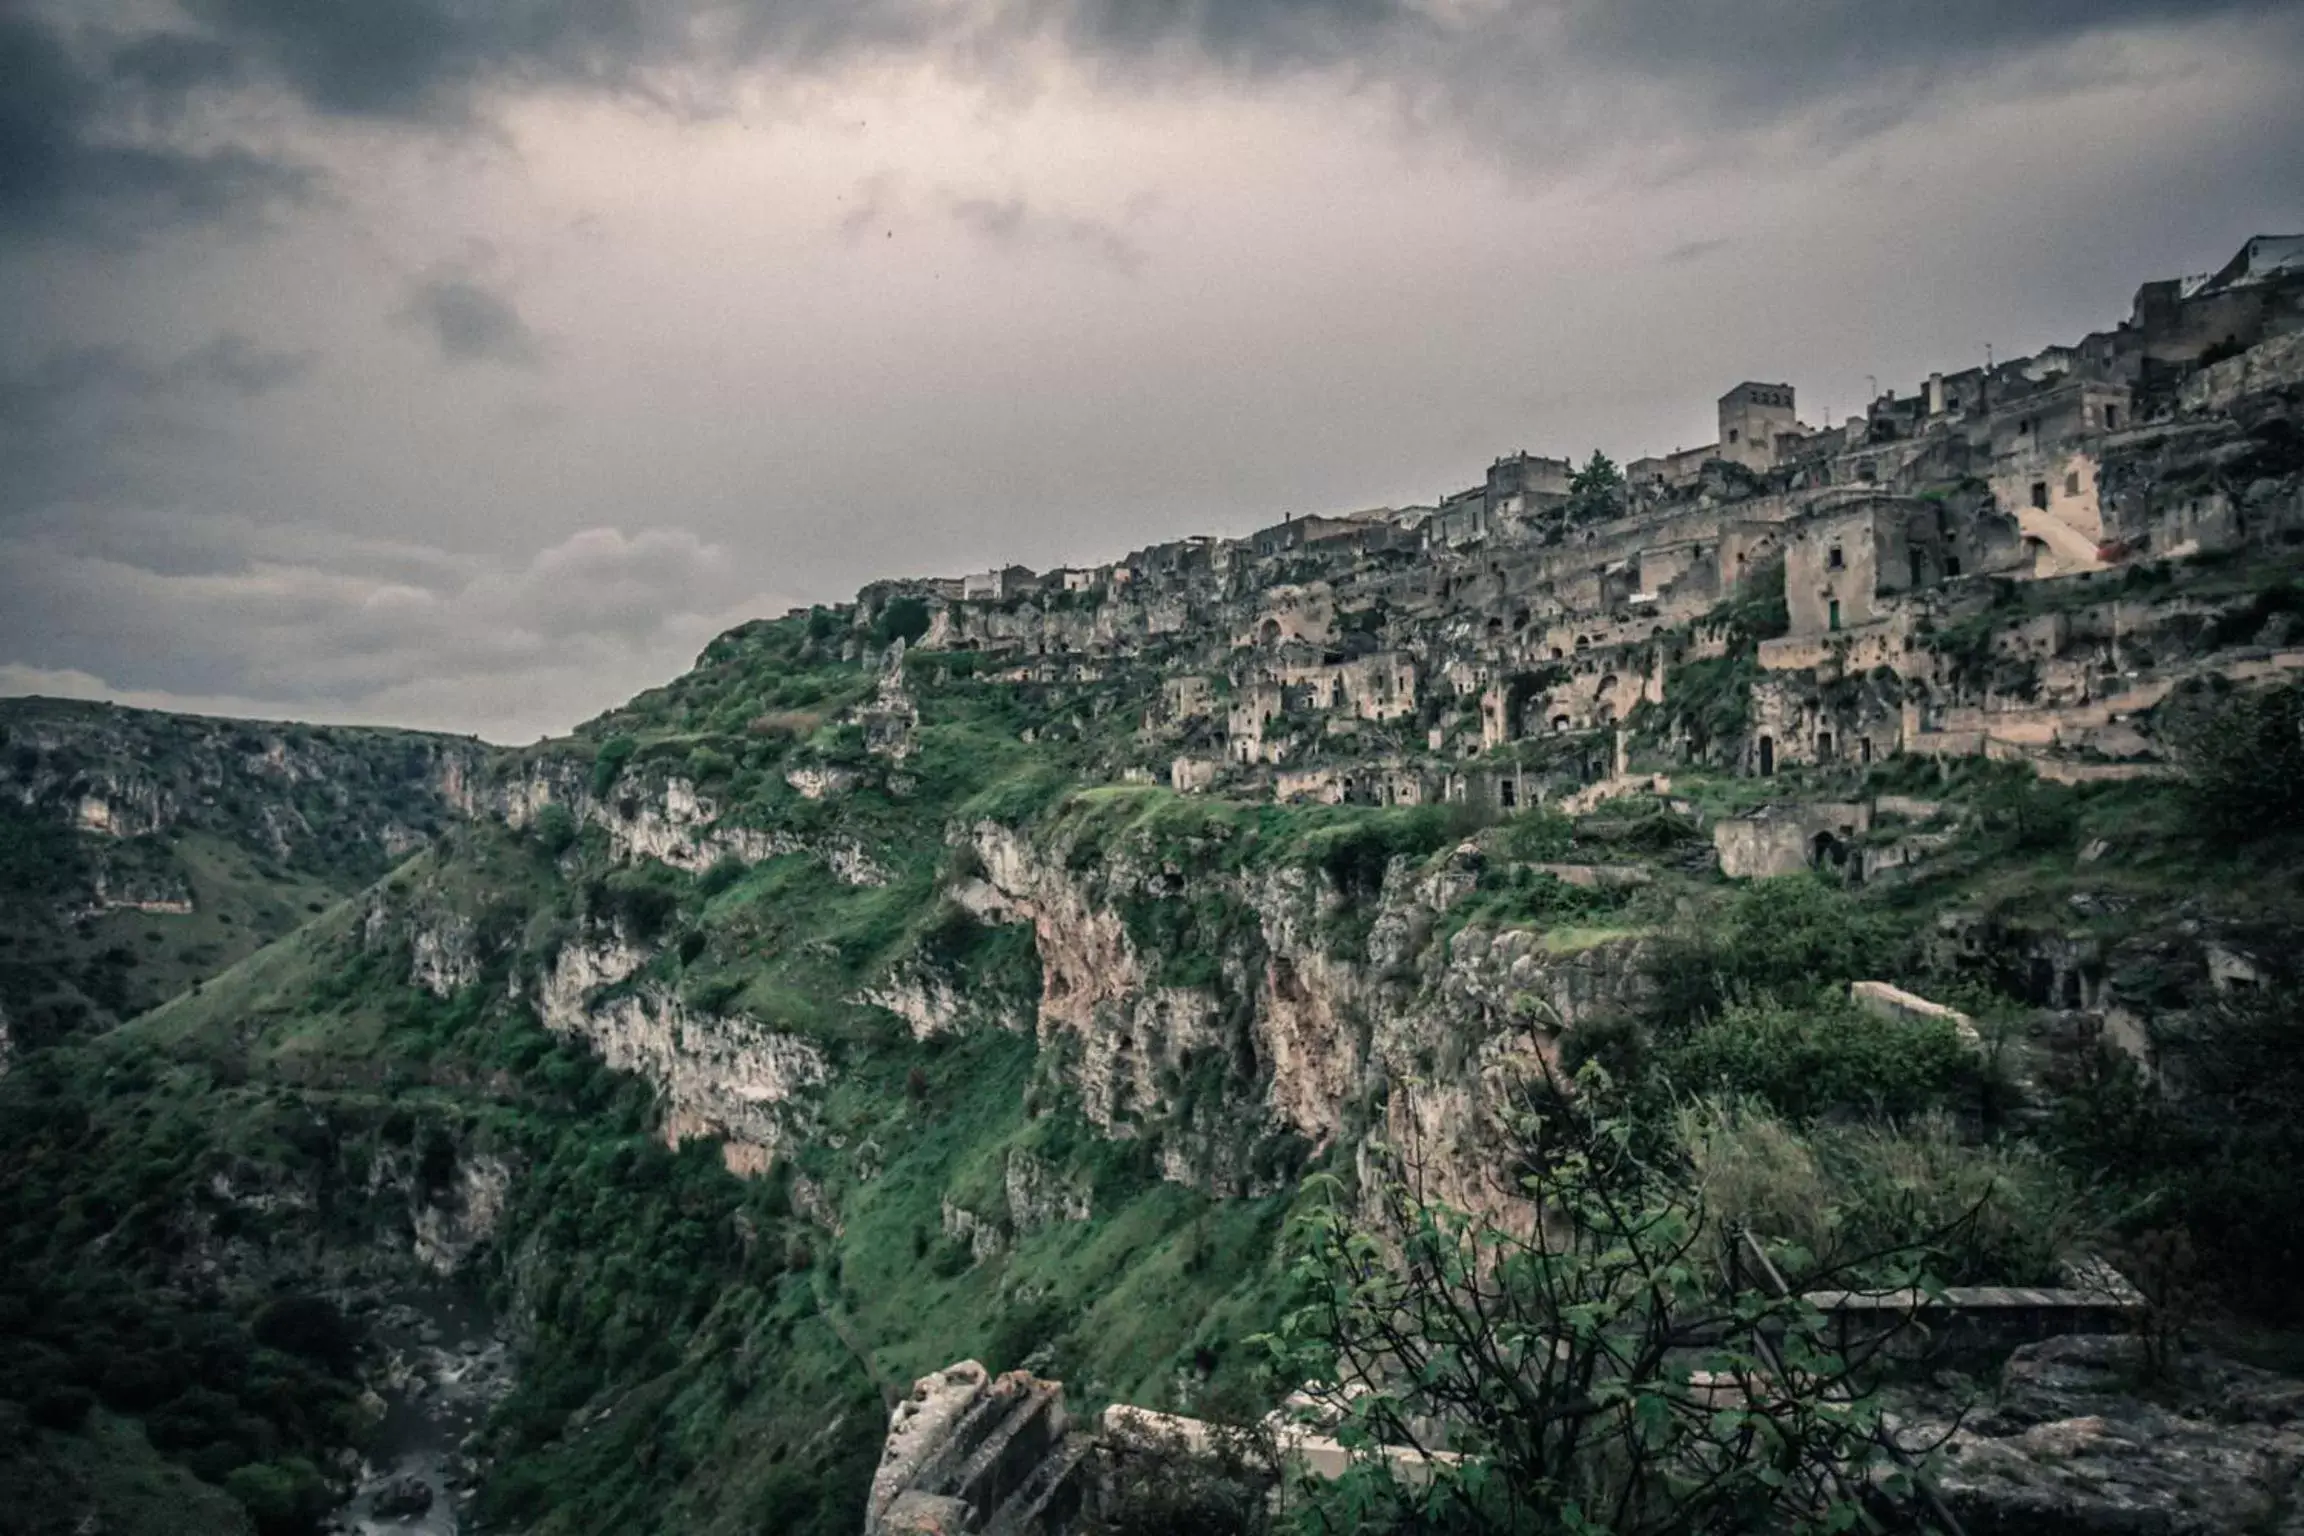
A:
(1767, 756)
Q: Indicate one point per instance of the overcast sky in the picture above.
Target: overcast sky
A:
(469, 365)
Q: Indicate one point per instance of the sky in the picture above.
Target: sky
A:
(469, 365)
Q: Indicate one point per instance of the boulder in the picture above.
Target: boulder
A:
(2074, 1444)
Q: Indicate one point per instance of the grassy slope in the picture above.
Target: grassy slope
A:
(342, 796)
(703, 1355)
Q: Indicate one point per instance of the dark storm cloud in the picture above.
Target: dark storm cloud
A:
(1512, 71)
(469, 322)
(71, 160)
(169, 68)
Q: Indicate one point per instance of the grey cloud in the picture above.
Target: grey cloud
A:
(1695, 250)
(71, 160)
(1519, 72)
(104, 420)
(1015, 223)
(303, 616)
(872, 207)
(169, 68)
(470, 322)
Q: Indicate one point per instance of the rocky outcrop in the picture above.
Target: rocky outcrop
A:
(319, 793)
(1096, 991)
(2073, 1445)
(1036, 1195)
(1039, 1196)
(724, 1077)
(967, 1451)
(1305, 1034)
(444, 959)
(668, 819)
(451, 1227)
(931, 1003)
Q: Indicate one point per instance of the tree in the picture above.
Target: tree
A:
(1596, 492)
(2243, 756)
(1588, 1364)
(905, 619)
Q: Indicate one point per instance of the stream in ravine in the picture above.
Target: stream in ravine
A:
(445, 1368)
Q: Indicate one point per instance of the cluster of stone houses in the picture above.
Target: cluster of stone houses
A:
(1408, 654)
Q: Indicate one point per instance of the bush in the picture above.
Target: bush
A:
(708, 766)
(608, 765)
(724, 872)
(555, 830)
(1824, 1057)
(904, 619)
(1991, 1213)
(1795, 938)
(1539, 836)
(313, 1327)
(2243, 757)
(62, 1407)
(286, 1498)
(2216, 1152)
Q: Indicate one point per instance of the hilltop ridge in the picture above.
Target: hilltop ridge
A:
(980, 969)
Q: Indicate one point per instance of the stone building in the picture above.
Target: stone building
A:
(1752, 419)
(1844, 564)
(1523, 484)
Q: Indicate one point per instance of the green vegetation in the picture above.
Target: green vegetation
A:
(197, 1204)
(1824, 1057)
(2243, 756)
(1559, 1360)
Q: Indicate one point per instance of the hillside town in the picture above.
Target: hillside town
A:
(1490, 645)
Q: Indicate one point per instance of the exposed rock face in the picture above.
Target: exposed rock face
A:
(967, 1451)
(726, 1077)
(1094, 987)
(450, 1229)
(2071, 1447)
(1314, 1041)
(444, 959)
(932, 1005)
(667, 819)
(290, 789)
(1039, 1196)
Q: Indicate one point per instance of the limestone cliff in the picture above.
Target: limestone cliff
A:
(723, 1077)
(1293, 1038)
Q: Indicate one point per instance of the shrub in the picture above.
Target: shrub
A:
(286, 1498)
(608, 764)
(2243, 757)
(1792, 938)
(1831, 1055)
(904, 619)
(724, 872)
(1990, 1213)
(555, 830)
(311, 1326)
(62, 1407)
(1558, 1354)
(707, 765)
(1539, 836)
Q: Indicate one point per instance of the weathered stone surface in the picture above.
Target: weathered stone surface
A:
(726, 1077)
(967, 1451)
(2073, 1445)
